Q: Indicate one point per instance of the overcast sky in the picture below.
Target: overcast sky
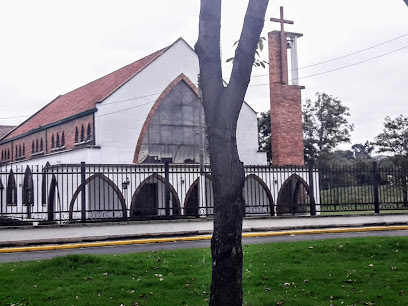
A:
(51, 47)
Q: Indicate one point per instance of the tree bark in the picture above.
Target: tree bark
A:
(222, 106)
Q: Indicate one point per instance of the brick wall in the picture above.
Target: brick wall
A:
(45, 135)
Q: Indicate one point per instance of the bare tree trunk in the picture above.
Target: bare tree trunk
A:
(222, 106)
(229, 207)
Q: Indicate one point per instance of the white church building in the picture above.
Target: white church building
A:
(140, 135)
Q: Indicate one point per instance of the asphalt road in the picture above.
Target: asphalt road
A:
(137, 248)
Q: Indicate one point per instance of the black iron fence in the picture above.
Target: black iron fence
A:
(84, 192)
(371, 188)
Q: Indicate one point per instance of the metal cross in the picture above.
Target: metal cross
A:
(282, 21)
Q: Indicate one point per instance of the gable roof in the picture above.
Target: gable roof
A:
(83, 98)
(4, 129)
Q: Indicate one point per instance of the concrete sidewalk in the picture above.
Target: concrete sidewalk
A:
(199, 237)
(87, 232)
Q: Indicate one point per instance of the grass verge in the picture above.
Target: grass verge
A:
(359, 271)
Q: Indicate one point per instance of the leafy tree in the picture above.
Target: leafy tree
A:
(394, 139)
(222, 106)
(362, 151)
(325, 125)
(264, 134)
(336, 158)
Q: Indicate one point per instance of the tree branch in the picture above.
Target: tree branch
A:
(245, 52)
(208, 50)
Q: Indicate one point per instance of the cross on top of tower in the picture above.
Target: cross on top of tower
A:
(283, 44)
(281, 20)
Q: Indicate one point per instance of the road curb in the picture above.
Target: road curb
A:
(201, 237)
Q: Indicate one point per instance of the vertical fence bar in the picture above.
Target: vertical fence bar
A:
(1, 197)
(167, 188)
(83, 202)
(404, 188)
(311, 189)
(375, 185)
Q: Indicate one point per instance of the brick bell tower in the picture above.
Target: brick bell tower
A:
(285, 98)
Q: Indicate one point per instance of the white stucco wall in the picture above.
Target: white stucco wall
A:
(247, 138)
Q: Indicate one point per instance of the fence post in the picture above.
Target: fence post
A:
(167, 188)
(1, 198)
(404, 187)
(83, 198)
(311, 189)
(375, 185)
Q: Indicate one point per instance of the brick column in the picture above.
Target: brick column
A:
(286, 110)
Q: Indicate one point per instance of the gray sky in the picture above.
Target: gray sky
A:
(52, 47)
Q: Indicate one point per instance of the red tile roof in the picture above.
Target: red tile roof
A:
(4, 129)
(83, 98)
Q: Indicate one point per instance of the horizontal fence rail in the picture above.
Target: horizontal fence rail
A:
(87, 193)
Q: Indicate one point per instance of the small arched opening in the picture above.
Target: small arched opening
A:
(11, 190)
(294, 196)
(258, 198)
(149, 199)
(103, 200)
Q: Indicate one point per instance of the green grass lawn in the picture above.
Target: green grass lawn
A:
(359, 271)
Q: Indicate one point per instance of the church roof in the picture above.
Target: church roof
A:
(4, 129)
(83, 98)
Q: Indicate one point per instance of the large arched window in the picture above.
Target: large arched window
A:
(175, 131)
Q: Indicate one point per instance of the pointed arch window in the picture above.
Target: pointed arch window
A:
(41, 145)
(11, 191)
(76, 135)
(82, 133)
(23, 149)
(8, 154)
(19, 150)
(89, 132)
(52, 142)
(58, 141)
(28, 187)
(63, 140)
(32, 147)
(174, 128)
(36, 146)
